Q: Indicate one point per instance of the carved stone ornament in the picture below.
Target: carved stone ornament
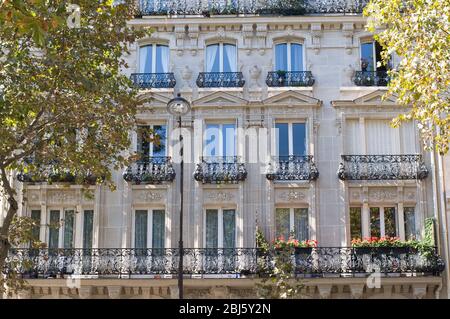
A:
(220, 196)
(383, 194)
(146, 196)
(292, 195)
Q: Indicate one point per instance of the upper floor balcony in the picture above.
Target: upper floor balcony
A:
(382, 167)
(152, 170)
(312, 262)
(153, 80)
(208, 8)
(220, 170)
(292, 168)
(371, 78)
(292, 78)
(220, 79)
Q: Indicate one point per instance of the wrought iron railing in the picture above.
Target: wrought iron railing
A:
(294, 78)
(51, 172)
(220, 79)
(248, 7)
(153, 170)
(382, 167)
(371, 78)
(220, 170)
(124, 262)
(153, 80)
(292, 168)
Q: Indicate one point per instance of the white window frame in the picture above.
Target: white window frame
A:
(220, 142)
(220, 224)
(289, 60)
(382, 220)
(149, 225)
(153, 45)
(374, 52)
(151, 144)
(292, 217)
(290, 136)
(62, 209)
(221, 55)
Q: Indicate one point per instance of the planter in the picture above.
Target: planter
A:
(303, 250)
(384, 250)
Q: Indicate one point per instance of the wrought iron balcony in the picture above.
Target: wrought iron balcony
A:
(292, 168)
(248, 7)
(154, 170)
(371, 78)
(294, 78)
(220, 79)
(52, 173)
(220, 170)
(125, 263)
(382, 167)
(153, 80)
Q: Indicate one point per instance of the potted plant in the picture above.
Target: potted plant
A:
(383, 245)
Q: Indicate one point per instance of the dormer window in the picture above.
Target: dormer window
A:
(221, 57)
(154, 58)
(289, 57)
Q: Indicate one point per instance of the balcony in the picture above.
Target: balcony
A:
(371, 78)
(292, 168)
(52, 173)
(154, 170)
(220, 170)
(312, 262)
(153, 80)
(208, 8)
(294, 78)
(220, 80)
(382, 167)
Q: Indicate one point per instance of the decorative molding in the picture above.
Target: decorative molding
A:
(347, 29)
(383, 194)
(316, 32)
(292, 196)
(324, 291)
(357, 291)
(61, 196)
(146, 196)
(220, 196)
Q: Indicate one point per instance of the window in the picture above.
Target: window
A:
(220, 230)
(36, 217)
(290, 139)
(410, 223)
(383, 222)
(154, 59)
(355, 222)
(370, 55)
(149, 229)
(151, 140)
(292, 221)
(221, 57)
(220, 140)
(53, 240)
(289, 57)
(69, 222)
(61, 234)
(88, 225)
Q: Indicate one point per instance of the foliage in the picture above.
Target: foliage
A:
(63, 96)
(422, 246)
(418, 31)
(281, 243)
(429, 237)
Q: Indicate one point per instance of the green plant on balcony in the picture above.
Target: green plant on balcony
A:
(283, 7)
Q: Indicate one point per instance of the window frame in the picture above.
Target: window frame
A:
(292, 219)
(221, 55)
(220, 237)
(62, 211)
(288, 56)
(150, 211)
(220, 143)
(290, 136)
(151, 144)
(154, 62)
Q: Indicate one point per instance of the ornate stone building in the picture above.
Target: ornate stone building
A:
(288, 132)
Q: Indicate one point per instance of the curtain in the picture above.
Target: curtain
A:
(408, 138)
(69, 220)
(229, 228)
(381, 138)
(229, 58)
(212, 58)
(36, 217)
(212, 228)
(158, 229)
(410, 223)
(88, 224)
(281, 57)
(390, 224)
(212, 140)
(145, 59)
(229, 139)
(282, 139)
(296, 57)
(299, 138)
(355, 222)
(162, 59)
(301, 225)
(353, 142)
(282, 223)
(159, 149)
(140, 229)
(53, 229)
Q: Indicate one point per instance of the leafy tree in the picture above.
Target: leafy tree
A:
(63, 98)
(419, 32)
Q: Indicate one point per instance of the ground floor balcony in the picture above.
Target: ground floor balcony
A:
(153, 170)
(382, 167)
(292, 168)
(220, 170)
(234, 262)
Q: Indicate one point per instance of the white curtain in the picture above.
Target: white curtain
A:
(353, 142)
(229, 139)
(408, 138)
(230, 60)
(381, 138)
(163, 59)
(211, 53)
(145, 59)
(212, 139)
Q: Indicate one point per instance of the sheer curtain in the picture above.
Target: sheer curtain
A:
(229, 228)
(53, 230)
(69, 220)
(281, 57)
(212, 58)
(410, 223)
(158, 229)
(212, 226)
(229, 139)
(229, 59)
(162, 59)
(353, 141)
(282, 222)
(212, 140)
(88, 228)
(381, 138)
(140, 229)
(145, 59)
(301, 225)
(296, 57)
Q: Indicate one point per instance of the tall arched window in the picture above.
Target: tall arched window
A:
(154, 58)
(221, 57)
(289, 57)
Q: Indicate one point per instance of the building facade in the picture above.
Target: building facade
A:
(288, 133)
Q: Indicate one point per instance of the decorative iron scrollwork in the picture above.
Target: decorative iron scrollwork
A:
(294, 78)
(220, 79)
(154, 170)
(220, 170)
(291, 168)
(153, 80)
(371, 78)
